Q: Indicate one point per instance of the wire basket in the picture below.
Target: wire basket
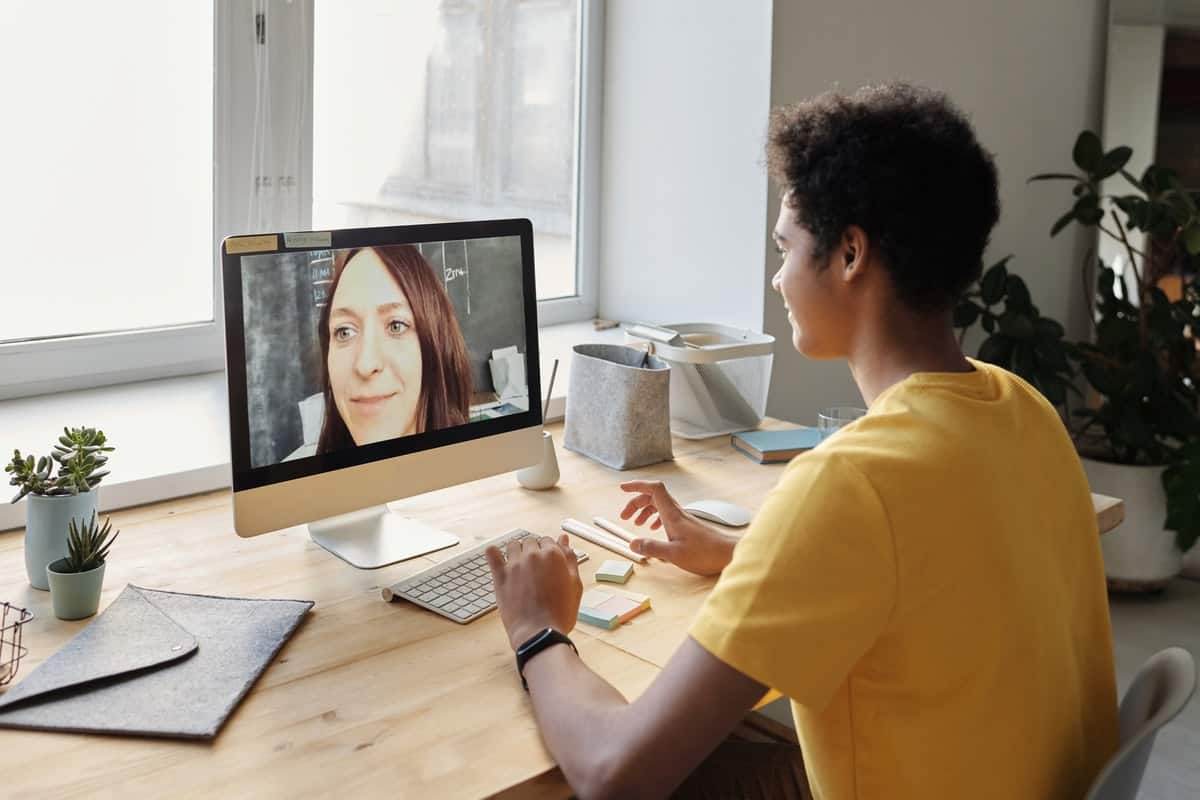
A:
(12, 619)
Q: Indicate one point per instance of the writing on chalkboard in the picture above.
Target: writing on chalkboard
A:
(320, 270)
(452, 261)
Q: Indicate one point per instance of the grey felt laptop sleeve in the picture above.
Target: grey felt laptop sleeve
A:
(155, 664)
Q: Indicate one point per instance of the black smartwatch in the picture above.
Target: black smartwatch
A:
(536, 644)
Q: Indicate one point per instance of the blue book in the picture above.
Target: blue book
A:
(770, 447)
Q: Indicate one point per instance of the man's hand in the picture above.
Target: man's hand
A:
(690, 545)
(537, 586)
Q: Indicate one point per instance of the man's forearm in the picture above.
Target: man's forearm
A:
(580, 716)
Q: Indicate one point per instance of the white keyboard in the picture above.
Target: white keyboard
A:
(461, 588)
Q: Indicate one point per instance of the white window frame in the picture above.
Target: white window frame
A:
(589, 119)
(77, 362)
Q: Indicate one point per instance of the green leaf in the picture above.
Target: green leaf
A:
(1016, 325)
(996, 350)
(965, 314)
(1113, 161)
(989, 323)
(1191, 240)
(1087, 209)
(1054, 389)
(1023, 362)
(1062, 222)
(1048, 329)
(1053, 176)
(1052, 355)
(1087, 152)
(991, 288)
(1157, 179)
(1136, 210)
(1018, 294)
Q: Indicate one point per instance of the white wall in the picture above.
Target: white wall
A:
(1030, 75)
(686, 97)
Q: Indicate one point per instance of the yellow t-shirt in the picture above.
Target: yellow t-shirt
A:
(927, 588)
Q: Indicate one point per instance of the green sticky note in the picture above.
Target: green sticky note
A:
(614, 571)
(601, 619)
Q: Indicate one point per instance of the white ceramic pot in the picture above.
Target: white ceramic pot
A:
(544, 474)
(1139, 554)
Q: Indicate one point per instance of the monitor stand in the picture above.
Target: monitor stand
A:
(376, 536)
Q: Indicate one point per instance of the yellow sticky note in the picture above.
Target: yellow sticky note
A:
(252, 244)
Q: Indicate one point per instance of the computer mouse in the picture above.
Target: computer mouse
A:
(720, 512)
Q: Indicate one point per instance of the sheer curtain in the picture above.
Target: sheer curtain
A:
(276, 121)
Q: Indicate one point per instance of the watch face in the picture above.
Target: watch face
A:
(535, 644)
(534, 640)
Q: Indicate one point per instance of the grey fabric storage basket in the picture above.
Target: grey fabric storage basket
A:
(618, 411)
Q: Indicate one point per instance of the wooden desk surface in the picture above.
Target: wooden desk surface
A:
(367, 697)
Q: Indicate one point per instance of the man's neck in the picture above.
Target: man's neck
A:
(896, 345)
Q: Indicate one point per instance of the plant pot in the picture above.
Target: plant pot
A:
(74, 595)
(47, 521)
(1139, 555)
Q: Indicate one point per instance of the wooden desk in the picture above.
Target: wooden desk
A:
(368, 698)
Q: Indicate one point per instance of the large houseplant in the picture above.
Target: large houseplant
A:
(61, 488)
(1139, 429)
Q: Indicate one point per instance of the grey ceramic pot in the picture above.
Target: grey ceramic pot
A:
(46, 530)
(74, 595)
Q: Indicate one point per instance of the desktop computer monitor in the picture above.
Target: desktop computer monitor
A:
(371, 364)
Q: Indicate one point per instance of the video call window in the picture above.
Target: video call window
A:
(347, 347)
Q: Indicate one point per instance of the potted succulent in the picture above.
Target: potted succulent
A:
(60, 488)
(75, 581)
(1139, 429)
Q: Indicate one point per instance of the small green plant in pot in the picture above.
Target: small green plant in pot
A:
(76, 581)
(58, 488)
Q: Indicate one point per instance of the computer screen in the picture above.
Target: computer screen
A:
(349, 346)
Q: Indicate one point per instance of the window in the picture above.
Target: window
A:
(448, 110)
(156, 130)
(108, 190)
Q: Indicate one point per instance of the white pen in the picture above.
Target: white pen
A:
(590, 534)
(613, 528)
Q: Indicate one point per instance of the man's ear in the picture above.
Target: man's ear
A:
(854, 251)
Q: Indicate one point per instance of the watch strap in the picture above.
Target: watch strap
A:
(546, 637)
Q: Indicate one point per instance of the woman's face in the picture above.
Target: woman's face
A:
(374, 356)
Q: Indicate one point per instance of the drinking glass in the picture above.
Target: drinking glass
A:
(831, 420)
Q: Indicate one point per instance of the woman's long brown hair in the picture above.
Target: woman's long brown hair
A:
(445, 398)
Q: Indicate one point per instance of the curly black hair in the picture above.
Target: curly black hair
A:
(901, 162)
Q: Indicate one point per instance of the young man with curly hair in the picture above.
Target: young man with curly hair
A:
(926, 586)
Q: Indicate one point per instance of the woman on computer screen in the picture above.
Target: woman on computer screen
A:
(395, 362)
